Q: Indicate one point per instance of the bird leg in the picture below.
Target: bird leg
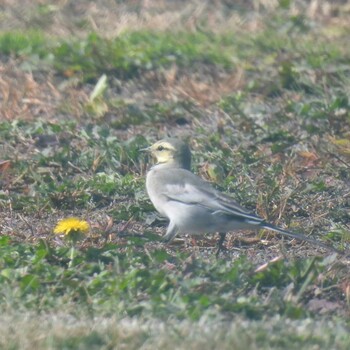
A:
(221, 243)
(170, 232)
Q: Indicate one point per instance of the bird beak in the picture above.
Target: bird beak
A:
(147, 149)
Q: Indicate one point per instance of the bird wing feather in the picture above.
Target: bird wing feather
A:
(199, 193)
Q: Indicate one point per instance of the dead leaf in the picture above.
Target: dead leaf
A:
(4, 165)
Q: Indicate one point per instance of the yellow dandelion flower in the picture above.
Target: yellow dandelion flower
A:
(71, 225)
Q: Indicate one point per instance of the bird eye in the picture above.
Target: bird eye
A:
(160, 148)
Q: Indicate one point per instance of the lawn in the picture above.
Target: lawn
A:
(261, 92)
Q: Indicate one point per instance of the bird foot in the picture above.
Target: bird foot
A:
(221, 246)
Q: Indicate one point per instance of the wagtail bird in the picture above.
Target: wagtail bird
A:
(194, 206)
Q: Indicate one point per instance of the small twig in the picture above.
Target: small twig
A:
(76, 168)
(18, 178)
(125, 225)
(266, 265)
(27, 223)
(338, 158)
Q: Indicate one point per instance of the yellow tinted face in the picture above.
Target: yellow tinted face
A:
(163, 151)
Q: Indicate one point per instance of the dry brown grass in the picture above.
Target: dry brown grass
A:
(110, 18)
(31, 95)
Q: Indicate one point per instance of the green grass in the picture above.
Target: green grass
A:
(128, 55)
(23, 44)
(126, 279)
(64, 331)
(290, 55)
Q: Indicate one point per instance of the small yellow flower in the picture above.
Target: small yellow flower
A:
(70, 226)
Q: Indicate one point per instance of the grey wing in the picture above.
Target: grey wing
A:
(230, 206)
(206, 196)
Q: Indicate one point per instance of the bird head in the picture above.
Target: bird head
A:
(172, 152)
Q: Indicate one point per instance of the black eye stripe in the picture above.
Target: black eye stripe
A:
(160, 148)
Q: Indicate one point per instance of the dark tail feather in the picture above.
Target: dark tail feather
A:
(299, 237)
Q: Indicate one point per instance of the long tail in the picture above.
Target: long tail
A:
(299, 237)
